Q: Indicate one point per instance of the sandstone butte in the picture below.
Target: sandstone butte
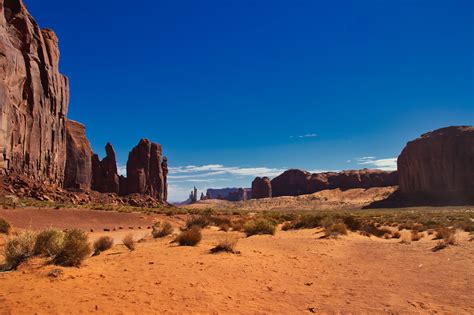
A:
(37, 140)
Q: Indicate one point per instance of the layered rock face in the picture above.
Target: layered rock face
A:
(33, 98)
(78, 171)
(146, 171)
(261, 188)
(439, 164)
(229, 194)
(296, 182)
(291, 183)
(105, 178)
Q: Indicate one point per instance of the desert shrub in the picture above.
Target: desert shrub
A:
(201, 221)
(416, 236)
(259, 226)
(162, 230)
(189, 237)
(102, 244)
(304, 222)
(75, 249)
(49, 242)
(387, 236)
(19, 249)
(335, 229)
(352, 223)
(396, 235)
(371, 229)
(218, 220)
(225, 246)
(443, 233)
(5, 227)
(238, 225)
(129, 242)
(224, 227)
(466, 225)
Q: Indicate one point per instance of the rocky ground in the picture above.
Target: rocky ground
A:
(291, 272)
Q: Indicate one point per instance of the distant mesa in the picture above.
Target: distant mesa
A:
(296, 182)
(229, 194)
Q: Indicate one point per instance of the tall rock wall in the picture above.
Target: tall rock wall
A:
(439, 164)
(105, 177)
(33, 98)
(261, 188)
(146, 171)
(78, 171)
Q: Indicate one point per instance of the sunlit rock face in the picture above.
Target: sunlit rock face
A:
(34, 98)
(439, 164)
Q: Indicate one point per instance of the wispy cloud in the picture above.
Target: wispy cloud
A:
(308, 135)
(389, 164)
(192, 171)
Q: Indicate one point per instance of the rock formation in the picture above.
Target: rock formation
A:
(291, 183)
(261, 188)
(78, 171)
(193, 196)
(297, 182)
(147, 170)
(105, 178)
(439, 164)
(229, 194)
(33, 98)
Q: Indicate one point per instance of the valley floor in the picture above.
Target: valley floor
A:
(291, 272)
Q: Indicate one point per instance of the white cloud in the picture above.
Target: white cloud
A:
(308, 135)
(218, 169)
(122, 170)
(389, 164)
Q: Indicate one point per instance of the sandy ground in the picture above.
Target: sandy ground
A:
(37, 219)
(335, 199)
(289, 273)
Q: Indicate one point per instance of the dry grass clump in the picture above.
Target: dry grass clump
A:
(49, 242)
(161, 230)
(260, 226)
(75, 249)
(102, 244)
(189, 237)
(225, 246)
(18, 249)
(201, 221)
(5, 226)
(304, 222)
(396, 235)
(416, 236)
(238, 225)
(129, 242)
(335, 229)
(443, 233)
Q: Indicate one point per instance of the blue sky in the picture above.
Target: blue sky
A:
(235, 89)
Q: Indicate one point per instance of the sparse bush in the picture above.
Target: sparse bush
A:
(201, 221)
(259, 226)
(352, 223)
(238, 225)
(19, 249)
(443, 233)
(75, 249)
(304, 222)
(224, 227)
(129, 242)
(189, 237)
(162, 230)
(335, 229)
(102, 244)
(226, 246)
(387, 236)
(5, 227)
(396, 235)
(49, 242)
(416, 236)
